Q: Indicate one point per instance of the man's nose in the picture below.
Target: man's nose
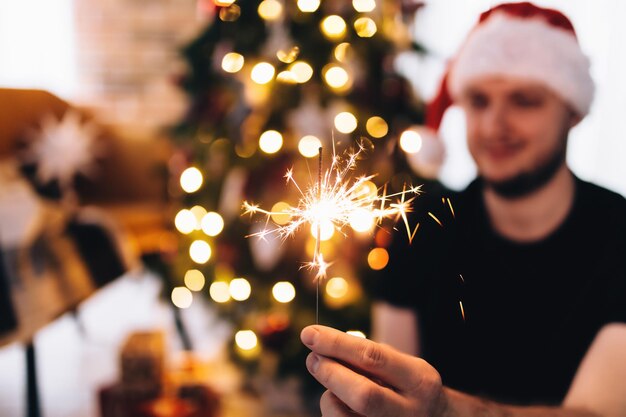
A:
(495, 125)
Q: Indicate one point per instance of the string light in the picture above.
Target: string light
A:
(191, 180)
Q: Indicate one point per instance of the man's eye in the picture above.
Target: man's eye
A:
(478, 102)
(527, 101)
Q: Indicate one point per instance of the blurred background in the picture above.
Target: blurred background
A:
(131, 132)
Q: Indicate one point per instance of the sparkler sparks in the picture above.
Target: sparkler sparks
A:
(338, 200)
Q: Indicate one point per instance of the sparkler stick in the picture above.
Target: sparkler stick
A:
(337, 199)
(318, 239)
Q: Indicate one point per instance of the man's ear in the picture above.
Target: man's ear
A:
(574, 119)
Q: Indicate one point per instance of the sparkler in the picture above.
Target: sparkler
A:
(340, 200)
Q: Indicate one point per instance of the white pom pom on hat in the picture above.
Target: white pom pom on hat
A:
(524, 41)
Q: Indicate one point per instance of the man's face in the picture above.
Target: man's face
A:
(516, 132)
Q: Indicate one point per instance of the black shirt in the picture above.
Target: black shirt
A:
(504, 320)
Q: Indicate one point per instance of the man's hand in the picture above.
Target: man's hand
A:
(369, 378)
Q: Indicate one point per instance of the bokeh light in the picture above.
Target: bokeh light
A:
(364, 6)
(345, 122)
(262, 73)
(191, 179)
(212, 223)
(246, 339)
(283, 291)
(361, 220)
(336, 77)
(365, 27)
(270, 9)
(367, 190)
(185, 222)
(230, 13)
(182, 297)
(240, 289)
(308, 6)
(376, 127)
(357, 333)
(341, 51)
(378, 258)
(200, 251)
(327, 230)
(271, 141)
(337, 287)
(333, 27)
(309, 146)
(410, 141)
(288, 56)
(232, 62)
(302, 71)
(219, 291)
(287, 77)
(198, 213)
(194, 280)
(280, 214)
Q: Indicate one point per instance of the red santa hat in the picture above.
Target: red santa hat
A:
(523, 41)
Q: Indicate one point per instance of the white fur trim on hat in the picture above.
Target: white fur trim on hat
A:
(525, 48)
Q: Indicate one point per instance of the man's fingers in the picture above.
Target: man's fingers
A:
(356, 391)
(401, 371)
(331, 406)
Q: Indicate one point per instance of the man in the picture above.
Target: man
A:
(518, 291)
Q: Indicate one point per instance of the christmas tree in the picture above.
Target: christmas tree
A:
(269, 83)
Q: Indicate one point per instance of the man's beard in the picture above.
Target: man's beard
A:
(528, 182)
